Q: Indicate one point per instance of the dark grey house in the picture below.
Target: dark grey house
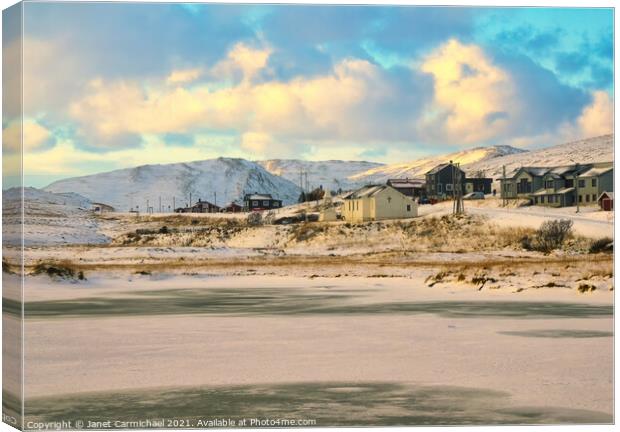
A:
(258, 202)
(442, 180)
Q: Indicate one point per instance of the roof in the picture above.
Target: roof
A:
(367, 191)
(406, 182)
(593, 172)
(544, 192)
(257, 196)
(441, 167)
(609, 194)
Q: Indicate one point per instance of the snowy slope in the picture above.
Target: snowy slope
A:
(331, 174)
(229, 178)
(597, 149)
(491, 159)
(417, 168)
(49, 219)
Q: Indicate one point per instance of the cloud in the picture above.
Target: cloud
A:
(598, 117)
(356, 100)
(184, 76)
(474, 99)
(35, 136)
(242, 58)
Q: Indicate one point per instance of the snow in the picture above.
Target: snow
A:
(219, 181)
(331, 174)
(417, 168)
(50, 219)
(490, 160)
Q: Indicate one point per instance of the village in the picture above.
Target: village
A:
(578, 185)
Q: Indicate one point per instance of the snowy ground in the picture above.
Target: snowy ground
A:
(590, 221)
(546, 350)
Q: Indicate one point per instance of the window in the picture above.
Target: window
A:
(448, 187)
(580, 198)
(569, 183)
(594, 182)
(408, 207)
(265, 203)
(254, 203)
(593, 198)
(582, 183)
(439, 185)
(551, 198)
(587, 198)
(535, 200)
(549, 184)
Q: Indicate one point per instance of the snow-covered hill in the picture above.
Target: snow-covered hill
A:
(222, 180)
(417, 168)
(49, 218)
(490, 160)
(597, 149)
(331, 174)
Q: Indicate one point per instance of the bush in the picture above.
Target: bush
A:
(164, 230)
(58, 270)
(255, 219)
(551, 235)
(604, 244)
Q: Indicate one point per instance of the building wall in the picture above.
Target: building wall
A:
(589, 194)
(391, 204)
(379, 207)
(356, 210)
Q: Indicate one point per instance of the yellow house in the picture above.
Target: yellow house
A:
(372, 203)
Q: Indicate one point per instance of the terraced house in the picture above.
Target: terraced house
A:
(559, 186)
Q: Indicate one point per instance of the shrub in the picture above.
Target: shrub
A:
(604, 244)
(255, 218)
(59, 270)
(164, 230)
(551, 235)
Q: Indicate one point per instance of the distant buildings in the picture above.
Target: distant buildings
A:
(199, 207)
(101, 208)
(409, 187)
(377, 202)
(233, 207)
(257, 202)
(559, 186)
(443, 180)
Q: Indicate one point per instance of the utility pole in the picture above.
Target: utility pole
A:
(190, 198)
(215, 198)
(174, 204)
(160, 203)
(457, 190)
(577, 185)
(501, 189)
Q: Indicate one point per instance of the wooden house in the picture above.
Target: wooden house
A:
(259, 202)
(606, 201)
(443, 179)
(409, 187)
(377, 202)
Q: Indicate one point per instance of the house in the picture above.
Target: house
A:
(606, 201)
(233, 207)
(377, 202)
(523, 182)
(259, 202)
(478, 184)
(101, 208)
(559, 186)
(441, 180)
(200, 207)
(409, 187)
(594, 181)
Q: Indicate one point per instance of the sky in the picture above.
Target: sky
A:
(115, 85)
